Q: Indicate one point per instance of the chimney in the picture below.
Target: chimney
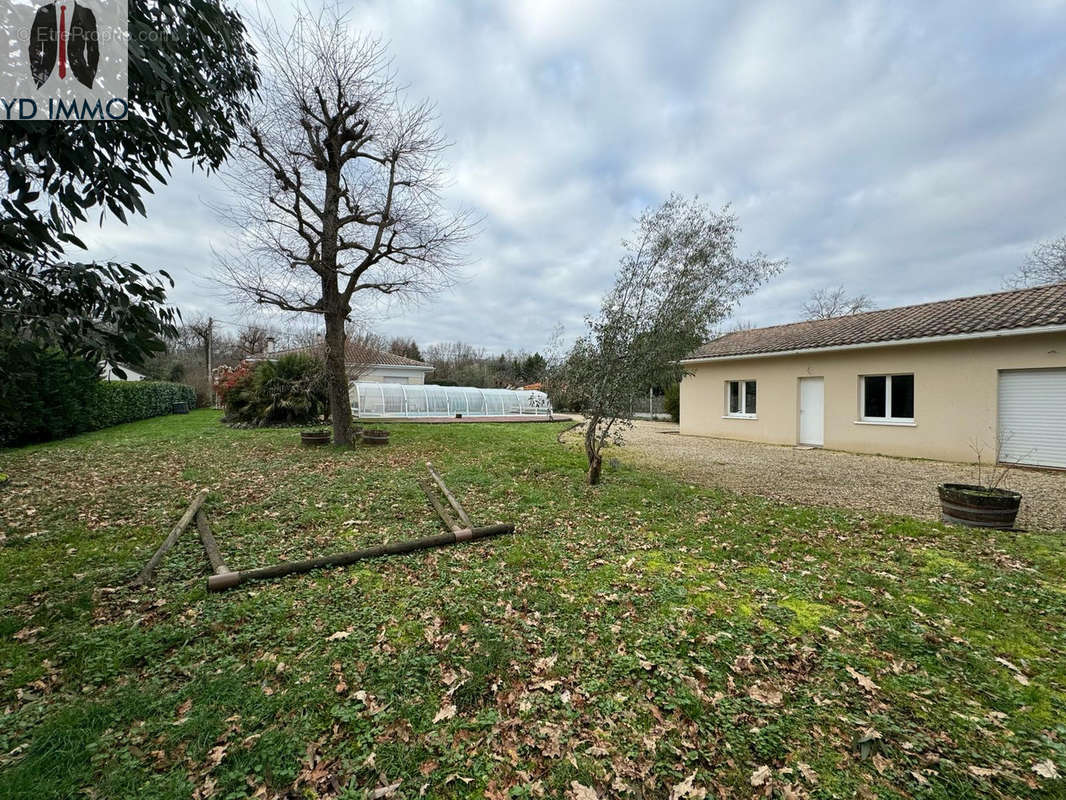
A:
(270, 342)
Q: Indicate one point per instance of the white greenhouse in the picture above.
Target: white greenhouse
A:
(407, 400)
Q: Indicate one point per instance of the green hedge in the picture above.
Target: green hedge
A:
(115, 402)
(47, 395)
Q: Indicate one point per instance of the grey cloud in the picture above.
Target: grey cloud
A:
(908, 152)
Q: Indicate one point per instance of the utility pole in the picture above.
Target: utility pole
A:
(210, 378)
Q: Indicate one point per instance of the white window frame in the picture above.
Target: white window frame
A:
(742, 414)
(887, 419)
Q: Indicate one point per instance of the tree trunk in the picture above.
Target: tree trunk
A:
(340, 405)
(592, 452)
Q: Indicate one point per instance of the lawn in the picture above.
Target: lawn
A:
(645, 638)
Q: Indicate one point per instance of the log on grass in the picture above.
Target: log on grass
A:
(451, 498)
(210, 545)
(217, 583)
(442, 512)
(145, 574)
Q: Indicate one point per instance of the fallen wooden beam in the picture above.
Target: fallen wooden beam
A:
(442, 512)
(210, 545)
(145, 574)
(451, 499)
(228, 580)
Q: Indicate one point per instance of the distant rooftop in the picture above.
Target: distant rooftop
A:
(1001, 311)
(354, 353)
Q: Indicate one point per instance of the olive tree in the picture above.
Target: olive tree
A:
(337, 189)
(680, 275)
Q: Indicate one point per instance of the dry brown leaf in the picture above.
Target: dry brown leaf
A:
(808, 774)
(338, 635)
(687, 789)
(767, 695)
(761, 775)
(447, 711)
(582, 792)
(1046, 769)
(981, 772)
(386, 791)
(861, 679)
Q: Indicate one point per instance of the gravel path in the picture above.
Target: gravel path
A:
(827, 477)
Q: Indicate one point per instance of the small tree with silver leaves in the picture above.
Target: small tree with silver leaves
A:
(679, 277)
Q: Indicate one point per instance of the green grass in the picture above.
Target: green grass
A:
(626, 637)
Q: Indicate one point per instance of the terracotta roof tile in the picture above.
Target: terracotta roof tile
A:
(1022, 308)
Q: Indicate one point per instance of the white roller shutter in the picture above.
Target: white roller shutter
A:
(1032, 417)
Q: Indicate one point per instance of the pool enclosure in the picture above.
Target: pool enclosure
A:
(371, 399)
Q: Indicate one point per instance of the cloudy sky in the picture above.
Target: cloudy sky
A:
(909, 151)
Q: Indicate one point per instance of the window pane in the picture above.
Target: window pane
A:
(903, 396)
(749, 397)
(874, 395)
(734, 397)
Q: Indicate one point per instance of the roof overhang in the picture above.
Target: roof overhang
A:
(954, 337)
(411, 367)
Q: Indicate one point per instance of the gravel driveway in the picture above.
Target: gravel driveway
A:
(827, 477)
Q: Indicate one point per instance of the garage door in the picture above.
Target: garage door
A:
(1032, 417)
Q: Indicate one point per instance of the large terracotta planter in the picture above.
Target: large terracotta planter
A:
(978, 506)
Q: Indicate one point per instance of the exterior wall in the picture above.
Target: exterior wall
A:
(955, 394)
(413, 376)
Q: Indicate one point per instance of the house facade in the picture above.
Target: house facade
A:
(366, 364)
(944, 380)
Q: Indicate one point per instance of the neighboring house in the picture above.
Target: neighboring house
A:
(932, 381)
(107, 373)
(365, 364)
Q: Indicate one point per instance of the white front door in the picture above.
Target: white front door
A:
(812, 411)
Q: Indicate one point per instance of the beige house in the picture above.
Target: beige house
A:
(935, 380)
(366, 364)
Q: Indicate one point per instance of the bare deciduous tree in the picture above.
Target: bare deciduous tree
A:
(835, 302)
(337, 187)
(679, 277)
(1046, 264)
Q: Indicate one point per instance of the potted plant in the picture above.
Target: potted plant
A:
(983, 504)
(315, 438)
(377, 436)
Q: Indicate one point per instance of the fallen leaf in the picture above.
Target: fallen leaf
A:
(808, 774)
(687, 789)
(582, 792)
(981, 772)
(385, 791)
(338, 635)
(761, 775)
(447, 711)
(861, 679)
(767, 695)
(1046, 769)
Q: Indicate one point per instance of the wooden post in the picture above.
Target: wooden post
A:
(451, 499)
(446, 518)
(210, 545)
(145, 574)
(227, 580)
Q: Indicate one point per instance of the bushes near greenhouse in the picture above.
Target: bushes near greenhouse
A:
(289, 391)
(46, 395)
